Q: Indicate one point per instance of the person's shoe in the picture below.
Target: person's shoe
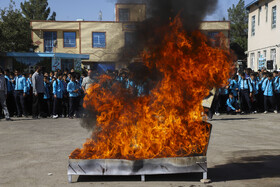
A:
(70, 117)
(255, 112)
(265, 112)
(26, 116)
(242, 113)
(55, 116)
(9, 119)
(275, 111)
(34, 117)
(217, 113)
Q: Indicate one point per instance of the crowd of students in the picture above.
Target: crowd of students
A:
(249, 92)
(60, 94)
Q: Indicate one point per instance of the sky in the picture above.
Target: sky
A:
(70, 10)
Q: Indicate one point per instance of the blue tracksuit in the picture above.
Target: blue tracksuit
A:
(58, 89)
(71, 86)
(255, 85)
(20, 84)
(231, 103)
(233, 85)
(276, 82)
(268, 87)
(245, 85)
(47, 91)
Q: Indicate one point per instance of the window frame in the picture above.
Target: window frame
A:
(273, 24)
(75, 39)
(266, 12)
(120, 14)
(253, 25)
(259, 15)
(44, 49)
(105, 46)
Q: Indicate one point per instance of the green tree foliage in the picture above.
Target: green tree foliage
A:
(238, 17)
(37, 10)
(15, 31)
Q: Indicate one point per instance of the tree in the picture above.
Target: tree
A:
(238, 17)
(37, 10)
(15, 30)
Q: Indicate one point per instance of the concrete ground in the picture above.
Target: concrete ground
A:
(244, 150)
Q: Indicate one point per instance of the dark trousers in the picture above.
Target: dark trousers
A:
(57, 106)
(73, 106)
(277, 101)
(270, 100)
(47, 107)
(245, 100)
(11, 104)
(260, 101)
(223, 100)
(65, 106)
(37, 106)
(230, 111)
(19, 100)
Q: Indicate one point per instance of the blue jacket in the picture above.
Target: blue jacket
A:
(231, 102)
(71, 86)
(245, 85)
(255, 85)
(9, 84)
(261, 84)
(20, 83)
(233, 85)
(47, 91)
(268, 87)
(276, 82)
(58, 89)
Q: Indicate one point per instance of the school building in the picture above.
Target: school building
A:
(106, 42)
(264, 34)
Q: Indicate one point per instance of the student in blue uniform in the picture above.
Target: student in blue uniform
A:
(268, 88)
(57, 96)
(276, 82)
(73, 89)
(10, 94)
(232, 105)
(246, 91)
(261, 96)
(19, 93)
(233, 86)
(255, 85)
(47, 96)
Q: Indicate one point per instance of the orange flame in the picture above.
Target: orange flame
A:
(167, 122)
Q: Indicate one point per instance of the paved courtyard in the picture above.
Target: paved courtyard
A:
(244, 150)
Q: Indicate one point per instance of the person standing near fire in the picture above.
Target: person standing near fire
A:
(276, 82)
(73, 89)
(245, 91)
(87, 81)
(268, 88)
(38, 92)
(3, 95)
(20, 92)
(57, 96)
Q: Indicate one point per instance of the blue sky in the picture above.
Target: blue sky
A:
(70, 10)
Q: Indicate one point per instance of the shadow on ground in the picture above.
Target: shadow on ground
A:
(233, 119)
(253, 167)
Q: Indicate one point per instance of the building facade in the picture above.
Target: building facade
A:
(104, 41)
(264, 34)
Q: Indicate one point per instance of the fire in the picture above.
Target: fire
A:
(168, 121)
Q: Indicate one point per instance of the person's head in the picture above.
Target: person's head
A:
(46, 74)
(252, 75)
(242, 75)
(17, 72)
(72, 70)
(72, 77)
(64, 77)
(235, 77)
(275, 73)
(46, 79)
(7, 72)
(90, 72)
(55, 74)
(230, 95)
(30, 75)
(270, 76)
(59, 76)
(38, 69)
(51, 74)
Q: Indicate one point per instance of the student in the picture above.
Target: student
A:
(233, 86)
(268, 88)
(246, 91)
(276, 82)
(19, 93)
(3, 95)
(254, 83)
(47, 96)
(232, 105)
(65, 99)
(10, 94)
(38, 92)
(57, 96)
(73, 90)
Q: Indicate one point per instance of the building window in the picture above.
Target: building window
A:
(264, 54)
(123, 14)
(129, 38)
(50, 39)
(69, 39)
(98, 39)
(273, 21)
(253, 25)
(258, 58)
(273, 56)
(252, 60)
(259, 15)
(266, 12)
